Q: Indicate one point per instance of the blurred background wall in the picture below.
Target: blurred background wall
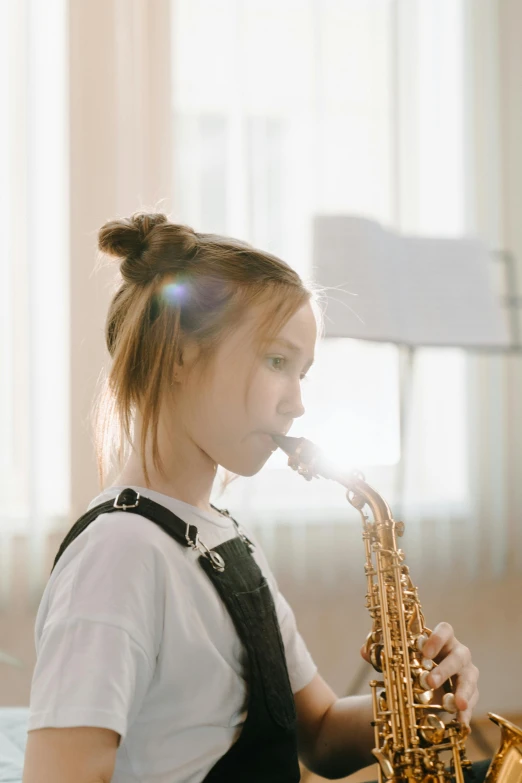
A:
(247, 119)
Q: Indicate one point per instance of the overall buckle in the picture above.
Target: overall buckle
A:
(123, 505)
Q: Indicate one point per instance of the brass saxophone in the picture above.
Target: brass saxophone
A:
(411, 739)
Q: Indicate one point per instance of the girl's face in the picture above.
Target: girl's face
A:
(233, 431)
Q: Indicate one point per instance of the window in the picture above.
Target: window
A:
(34, 446)
(286, 110)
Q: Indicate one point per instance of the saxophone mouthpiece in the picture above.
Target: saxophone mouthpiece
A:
(287, 444)
(302, 454)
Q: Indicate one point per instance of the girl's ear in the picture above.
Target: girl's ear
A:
(187, 354)
(178, 367)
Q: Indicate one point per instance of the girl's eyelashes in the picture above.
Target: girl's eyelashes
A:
(282, 362)
(280, 359)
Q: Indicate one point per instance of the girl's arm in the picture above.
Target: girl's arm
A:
(79, 754)
(335, 735)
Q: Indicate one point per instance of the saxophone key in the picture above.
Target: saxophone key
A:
(423, 675)
(376, 657)
(448, 703)
(432, 729)
(421, 641)
(385, 763)
(423, 697)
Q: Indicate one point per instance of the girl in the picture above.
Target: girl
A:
(165, 651)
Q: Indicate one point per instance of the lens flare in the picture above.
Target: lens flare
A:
(175, 293)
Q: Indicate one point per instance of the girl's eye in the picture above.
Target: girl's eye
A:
(280, 359)
(280, 363)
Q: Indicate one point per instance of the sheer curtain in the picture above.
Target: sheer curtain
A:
(34, 219)
(85, 135)
(285, 110)
(494, 184)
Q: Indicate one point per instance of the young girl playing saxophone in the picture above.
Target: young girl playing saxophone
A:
(162, 631)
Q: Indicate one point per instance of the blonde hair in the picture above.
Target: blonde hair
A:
(177, 284)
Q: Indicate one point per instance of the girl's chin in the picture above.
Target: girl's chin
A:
(251, 462)
(247, 470)
(247, 467)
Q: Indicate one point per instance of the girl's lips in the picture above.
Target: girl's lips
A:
(269, 440)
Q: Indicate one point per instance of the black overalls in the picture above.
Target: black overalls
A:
(266, 750)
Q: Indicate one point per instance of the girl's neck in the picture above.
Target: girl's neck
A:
(192, 489)
(188, 472)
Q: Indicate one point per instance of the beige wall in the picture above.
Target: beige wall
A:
(120, 143)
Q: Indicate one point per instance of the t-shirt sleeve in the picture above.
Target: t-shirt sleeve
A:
(88, 673)
(97, 645)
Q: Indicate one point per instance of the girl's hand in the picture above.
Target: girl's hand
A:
(454, 660)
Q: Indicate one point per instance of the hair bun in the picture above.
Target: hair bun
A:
(128, 236)
(148, 244)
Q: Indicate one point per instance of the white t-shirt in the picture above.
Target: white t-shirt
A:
(131, 635)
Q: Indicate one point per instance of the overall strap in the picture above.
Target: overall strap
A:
(130, 500)
(266, 749)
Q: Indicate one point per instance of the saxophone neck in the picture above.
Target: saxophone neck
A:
(311, 462)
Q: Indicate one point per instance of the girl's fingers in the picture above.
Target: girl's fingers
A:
(467, 695)
(462, 702)
(454, 660)
(465, 715)
(441, 640)
(455, 663)
(467, 687)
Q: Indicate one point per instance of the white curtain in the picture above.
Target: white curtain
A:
(85, 135)
(286, 110)
(494, 382)
(34, 303)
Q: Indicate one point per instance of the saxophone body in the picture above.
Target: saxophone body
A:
(415, 738)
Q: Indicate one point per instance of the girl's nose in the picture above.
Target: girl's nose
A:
(292, 405)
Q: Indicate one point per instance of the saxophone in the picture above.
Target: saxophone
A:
(412, 742)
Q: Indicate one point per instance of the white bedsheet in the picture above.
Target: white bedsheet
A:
(13, 739)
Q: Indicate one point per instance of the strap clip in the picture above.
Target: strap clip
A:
(217, 562)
